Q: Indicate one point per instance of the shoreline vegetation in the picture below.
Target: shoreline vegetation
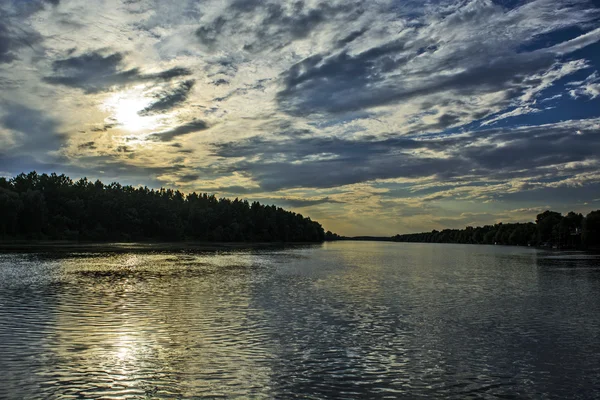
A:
(54, 212)
(53, 207)
(550, 230)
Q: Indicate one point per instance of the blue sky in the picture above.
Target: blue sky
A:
(373, 117)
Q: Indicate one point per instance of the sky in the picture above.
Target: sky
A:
(372, 117)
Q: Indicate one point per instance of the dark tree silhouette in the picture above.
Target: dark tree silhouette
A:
(551, 229)
(330, 236)
(34, 206)
(591, 229)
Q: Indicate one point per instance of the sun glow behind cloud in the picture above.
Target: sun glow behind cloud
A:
(125, 109)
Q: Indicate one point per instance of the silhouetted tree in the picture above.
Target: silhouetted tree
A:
(591, 230)
(547, 224)
(52, 206)
(550, 229)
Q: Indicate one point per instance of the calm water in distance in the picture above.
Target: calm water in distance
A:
(339, 320)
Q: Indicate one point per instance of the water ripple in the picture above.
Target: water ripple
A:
(344, 320)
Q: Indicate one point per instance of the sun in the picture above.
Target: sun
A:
(125, 108)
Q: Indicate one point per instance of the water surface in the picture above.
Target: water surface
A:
(339, 320)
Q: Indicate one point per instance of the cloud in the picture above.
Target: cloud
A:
(35, 131)
(95, 72)
(301, 202)
(281, 165)
(189, 177)
(343, 82)
(589, 87)
(170, 98)
(502, 154)
(470, 219)
(513, 113)
(25, 9)
(184, 129)
(352, 36)
(442, 59)
(103, 128)
(124, 149)
(447, 120)
(87, 145)
(268, 25)
(577, 43)
(14, 37)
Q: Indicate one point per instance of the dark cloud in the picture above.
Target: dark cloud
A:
(280, 24)
(258, 85)
(325, 162)
(187, 128)
(225, 65)
(447, 120)
(413, 66)
(38, 132)
(169, 74)
(188, 178)
(297, 148)
(13, 38)
(95, 72)
(15, 164)
(351, 37)
(181, 149)
(22, 9)
(538, 150)
(209, 34)
(301, 21)
(114, 169)
(7, 84)
(103, 128)
(344, 82)
(289, 202)
(247, 6)
(87, 145)
(7, 45)
(564, 195)
(170, 98)
(124, 149)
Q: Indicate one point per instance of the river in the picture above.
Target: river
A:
(338, 320)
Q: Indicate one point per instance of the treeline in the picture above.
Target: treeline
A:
(551, 229)
(330, 236)
(55, 207)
